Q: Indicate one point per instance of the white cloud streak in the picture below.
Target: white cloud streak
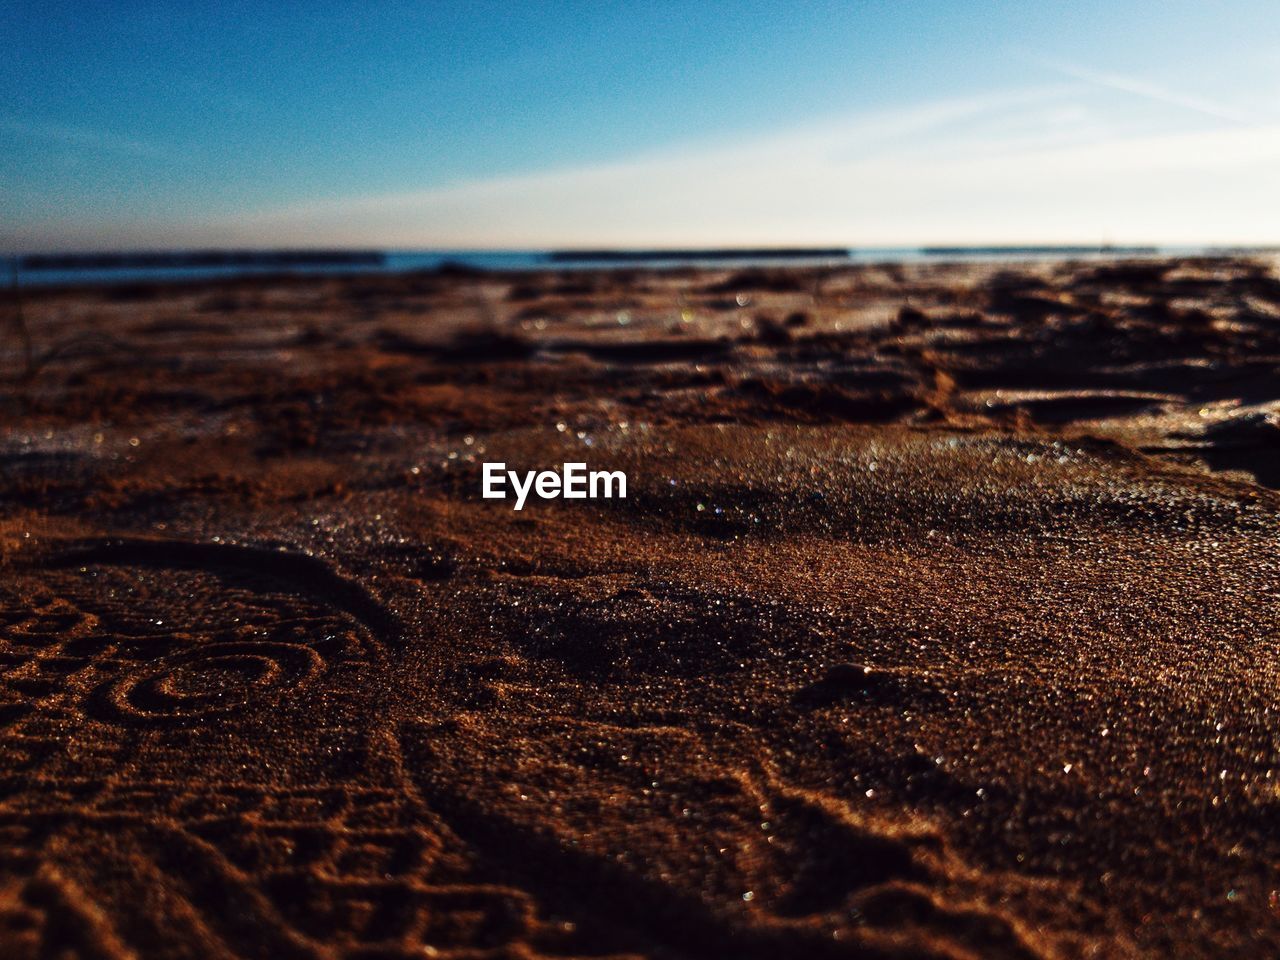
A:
(1145, 89)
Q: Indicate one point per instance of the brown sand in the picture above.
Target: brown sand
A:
(940, 621)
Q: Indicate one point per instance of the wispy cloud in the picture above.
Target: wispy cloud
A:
(1042, 165)
(83, 138)
(1143, 88)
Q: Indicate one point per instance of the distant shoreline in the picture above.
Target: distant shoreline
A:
(195, 259)
(714, 253)
(1050, 250)
(47, 269)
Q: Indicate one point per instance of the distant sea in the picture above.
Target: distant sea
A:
(112, 268)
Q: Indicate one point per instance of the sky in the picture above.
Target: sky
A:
(507, 125)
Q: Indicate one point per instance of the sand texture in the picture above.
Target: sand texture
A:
(939, 621)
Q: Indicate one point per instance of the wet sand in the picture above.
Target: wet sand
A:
(939, 620)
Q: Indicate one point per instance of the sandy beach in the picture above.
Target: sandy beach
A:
(938, 619)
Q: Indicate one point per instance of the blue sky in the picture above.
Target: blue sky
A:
(482, 124)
